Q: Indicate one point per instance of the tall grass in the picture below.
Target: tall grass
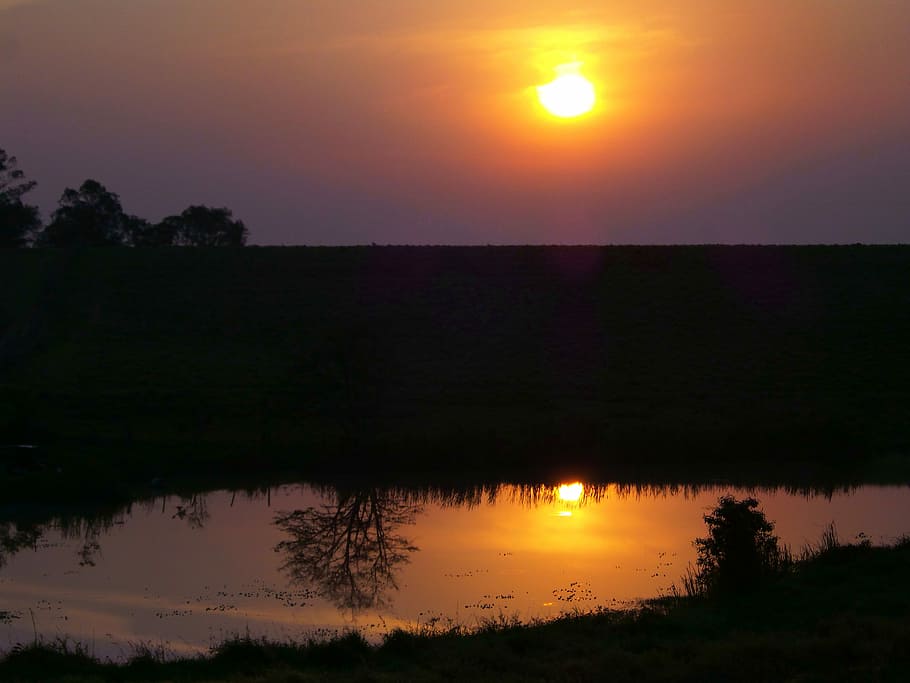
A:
(829, 542)
(696, 582)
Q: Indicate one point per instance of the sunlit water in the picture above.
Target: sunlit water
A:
(184, 574)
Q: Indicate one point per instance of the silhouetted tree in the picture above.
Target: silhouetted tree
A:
(350, 549)
(203, 226)
(163, 234)
(136, 231)
(18, 221)
(740, 550)
(88, 217)
(13, 184)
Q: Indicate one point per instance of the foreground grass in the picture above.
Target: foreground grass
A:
(842, 615)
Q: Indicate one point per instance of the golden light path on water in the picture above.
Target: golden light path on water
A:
(186, 573)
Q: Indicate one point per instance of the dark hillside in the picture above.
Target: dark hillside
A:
(518, 353)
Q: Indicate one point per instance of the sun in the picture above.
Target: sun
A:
(569, 95)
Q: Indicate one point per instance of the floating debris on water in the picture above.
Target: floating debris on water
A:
(577, 591)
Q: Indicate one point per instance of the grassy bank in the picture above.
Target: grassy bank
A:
(86, 480)
(841, 615)
(441, 360)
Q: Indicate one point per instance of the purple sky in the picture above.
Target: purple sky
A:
(407, 121)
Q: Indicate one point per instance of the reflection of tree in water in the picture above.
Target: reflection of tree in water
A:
(14, 538)
(349, 549)
(193, 511)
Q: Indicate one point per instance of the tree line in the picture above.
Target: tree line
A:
(92, 216)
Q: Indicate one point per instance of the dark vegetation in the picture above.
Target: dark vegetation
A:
(838, 613)
(126, 365)
(94, 217)
(740, 552)
(18, 220)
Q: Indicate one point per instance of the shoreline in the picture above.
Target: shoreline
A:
(838, 615)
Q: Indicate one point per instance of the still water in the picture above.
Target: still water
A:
(301, 561)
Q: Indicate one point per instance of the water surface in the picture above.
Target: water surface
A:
(300, 561)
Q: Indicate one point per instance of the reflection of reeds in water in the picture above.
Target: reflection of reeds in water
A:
(532, 495)
(25, 530)
(79, 523)
(26, 534)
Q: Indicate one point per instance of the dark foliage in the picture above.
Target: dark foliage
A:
(89, 217)
(740, 551)
(18, 221)
(200, 226)
(137, 231)
(93, 217)
(13, 184)
(163, 234)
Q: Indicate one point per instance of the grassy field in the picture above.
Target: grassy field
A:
(840, 616)
(129, 362)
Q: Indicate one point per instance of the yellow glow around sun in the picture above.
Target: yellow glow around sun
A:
(569, 94)
(571, 492)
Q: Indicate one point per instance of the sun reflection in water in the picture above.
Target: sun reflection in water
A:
(571, 493)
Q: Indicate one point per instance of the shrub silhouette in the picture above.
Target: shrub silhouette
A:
(740, 551)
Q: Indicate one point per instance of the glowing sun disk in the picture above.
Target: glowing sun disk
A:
(568, 95)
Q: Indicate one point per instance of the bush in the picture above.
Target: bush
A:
(740, 551)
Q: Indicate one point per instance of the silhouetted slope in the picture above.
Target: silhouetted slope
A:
(569, 352)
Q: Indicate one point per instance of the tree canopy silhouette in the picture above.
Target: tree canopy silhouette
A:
(349, 550)
(740, 550)
(200, 226)
(161, 234)
(92, 216)
(18, 221)
(89, 217)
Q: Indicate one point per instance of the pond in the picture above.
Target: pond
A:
(182, 574)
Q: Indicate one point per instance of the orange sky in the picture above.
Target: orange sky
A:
(407, 121)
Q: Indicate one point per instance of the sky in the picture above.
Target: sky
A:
(415, 122)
